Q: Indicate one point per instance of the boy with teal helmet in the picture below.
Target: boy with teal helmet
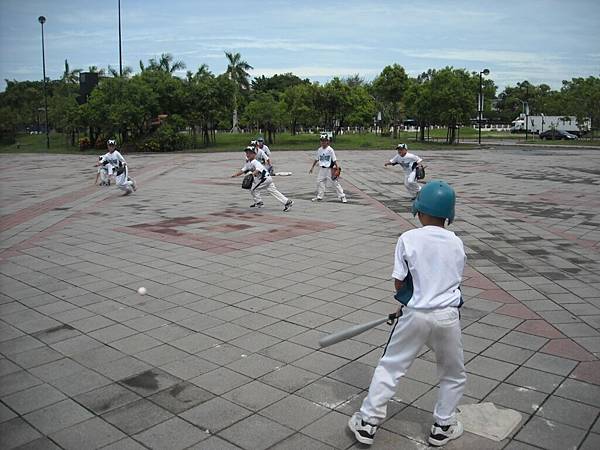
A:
(428, 268)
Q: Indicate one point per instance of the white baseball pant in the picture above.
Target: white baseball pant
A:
(269, 186)
(410, 182)
(324, 177)
(124, 182)
(439, 329)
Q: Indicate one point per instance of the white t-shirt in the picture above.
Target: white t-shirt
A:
(406, 161)
(254, 165)
(436, 259)
(114, 158)
(265, 149)
(261, 156)
(325, 156)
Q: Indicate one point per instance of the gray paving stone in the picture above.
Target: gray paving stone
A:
(524, 340)
(535, 379)
(6, 413)
(550, 435)
(592, 441)
(256, 432)
(93, 433)
(558, 409)
(320, 363)
(214, 442)
(174, 434)
(289, 378)
(137, 416)
(33, 398)
(490, 368)
(255, 365)
(331, 429)
(255, 395)
(508, 353)
(17, 381)
(16, 432)
(40, 444)
(57, 416)
(550, 363)
(106, 398)
(300, 442)
(286, 352)
(215, 415)
(220, 380)
(181, 397)
(516, 397)
(124, 444)
(56, 369)
(328, 392)
(150, 381)
(579, 391)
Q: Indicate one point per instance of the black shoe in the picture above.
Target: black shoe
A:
(257, 205)
(288, 205)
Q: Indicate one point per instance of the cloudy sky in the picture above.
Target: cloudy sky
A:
(536, 40)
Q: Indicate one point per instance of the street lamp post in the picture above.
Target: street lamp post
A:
(120, 52)
(42, 20)
(480, 103)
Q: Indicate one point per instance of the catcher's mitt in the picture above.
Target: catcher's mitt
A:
(247, 181)
(336, 171)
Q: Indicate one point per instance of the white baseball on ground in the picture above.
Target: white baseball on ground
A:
(142, 290)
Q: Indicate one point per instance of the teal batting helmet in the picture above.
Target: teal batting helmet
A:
(436, 199)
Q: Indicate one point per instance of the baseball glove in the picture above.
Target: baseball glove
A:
(247, 181)
(336, 171)
(420, 172)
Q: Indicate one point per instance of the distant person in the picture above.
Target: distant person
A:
(409, 163)
(262, 180)
(325, 157)
(118, 167)
(268, 161)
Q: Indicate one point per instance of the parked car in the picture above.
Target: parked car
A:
(557, 134)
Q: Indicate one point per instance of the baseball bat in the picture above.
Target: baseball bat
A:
(342, 335)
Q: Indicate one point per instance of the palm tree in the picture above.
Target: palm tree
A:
(95, 69)
(164, 64)
(69, 76)
(237, 72)
(127, 71)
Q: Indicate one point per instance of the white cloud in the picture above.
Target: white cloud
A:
(315, 71)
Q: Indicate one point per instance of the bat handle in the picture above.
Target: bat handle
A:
(394, 316)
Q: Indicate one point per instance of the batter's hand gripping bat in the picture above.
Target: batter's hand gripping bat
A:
(342, 335)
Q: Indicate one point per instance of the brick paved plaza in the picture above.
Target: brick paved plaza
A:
(222, 352)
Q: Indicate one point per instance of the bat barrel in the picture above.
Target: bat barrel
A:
(342, 335)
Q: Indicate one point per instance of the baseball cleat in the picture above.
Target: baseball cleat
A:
(288, 205)
(316, 199)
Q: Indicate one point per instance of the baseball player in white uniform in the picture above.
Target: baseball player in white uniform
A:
(262, 180)
(428, 269)
(102, 173)
(261, 147)
(325, 157)
(117, 165)
(409, 163)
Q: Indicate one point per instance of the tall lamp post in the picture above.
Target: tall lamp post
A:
(42, 20)
(120, 52)
(480, 103)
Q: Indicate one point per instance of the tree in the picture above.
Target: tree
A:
(70, 76)
(583, 99)
(277, 84)
(237, 70)
(389, 89)
(453, 98)
(163, 64)
(127, 71)
(266, 112)
(299, 105)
